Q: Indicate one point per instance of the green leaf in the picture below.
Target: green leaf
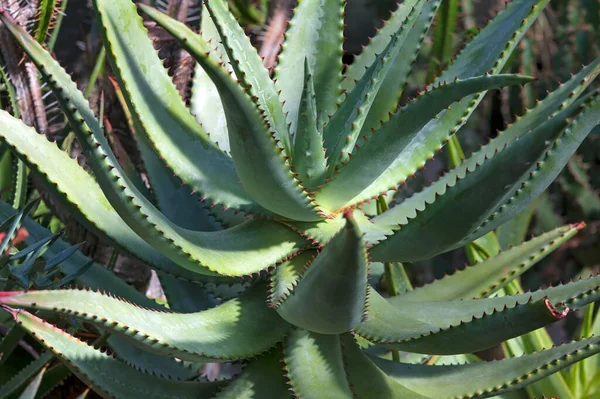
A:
(330, 297)
(205, 102)
(309, 155)
(263, 169)
(396, 79)
(159, 111)
(242, 327)
(489, 51)
(487, 277)
(343, 129)
(366, 379)
(431, 321)
(249, 69)
(487, 379)
(314, 365)
(315, 34)
(400, 147)
(284, 277)
(490, 185)
(261, 378)
(44, 156)
(107, 375)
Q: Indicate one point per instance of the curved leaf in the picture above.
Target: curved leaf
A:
(487, 277)
(263, 168)
(237, 329)
(393, 153)
(487, 379)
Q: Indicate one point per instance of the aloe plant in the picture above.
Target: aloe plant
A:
(261, 182)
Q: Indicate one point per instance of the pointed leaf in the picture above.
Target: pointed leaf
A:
(487, 379)
(487, 277)
(249, 70)
(264, 170)
(242, 327)
(330, 298)
(436, 320)
(160, 112)
(395, 151)
(492, 193)
(309, 154)
(315, 33)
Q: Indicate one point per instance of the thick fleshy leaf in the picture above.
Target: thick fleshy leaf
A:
(487, 379)
(107, 375)
(285, 276)
(331, 296)
(237, 329)
(261, 379)
(426, 326)
(263, 168)
(309, 155)
(396, 79)
(18, 381)
(393, 153)
(185, 247)
(490, 192)
(487, 277)
(249, 69)
(314, 365)
(315, 33)
(488, 52)
(159, 111)
(342, 130)
(366, 379)
(205, 102)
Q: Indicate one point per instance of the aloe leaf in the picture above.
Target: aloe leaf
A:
(486, 379)
(391, 89)
(160, 112)
(548, 148)
(107, 375)
(487, 277)
(488, 52)
(315, 34)
(366, 379)
(261, 378)
(397, 149)
(205, 102)
(285, 276)
(314, 365)
(243, 326)
(263, 168)
(342, 130)
(437, 320)
(330, 297)
(9, 342)
(250, 71)
(309, 155)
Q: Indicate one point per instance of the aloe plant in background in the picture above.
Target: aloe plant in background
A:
(267, 182)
